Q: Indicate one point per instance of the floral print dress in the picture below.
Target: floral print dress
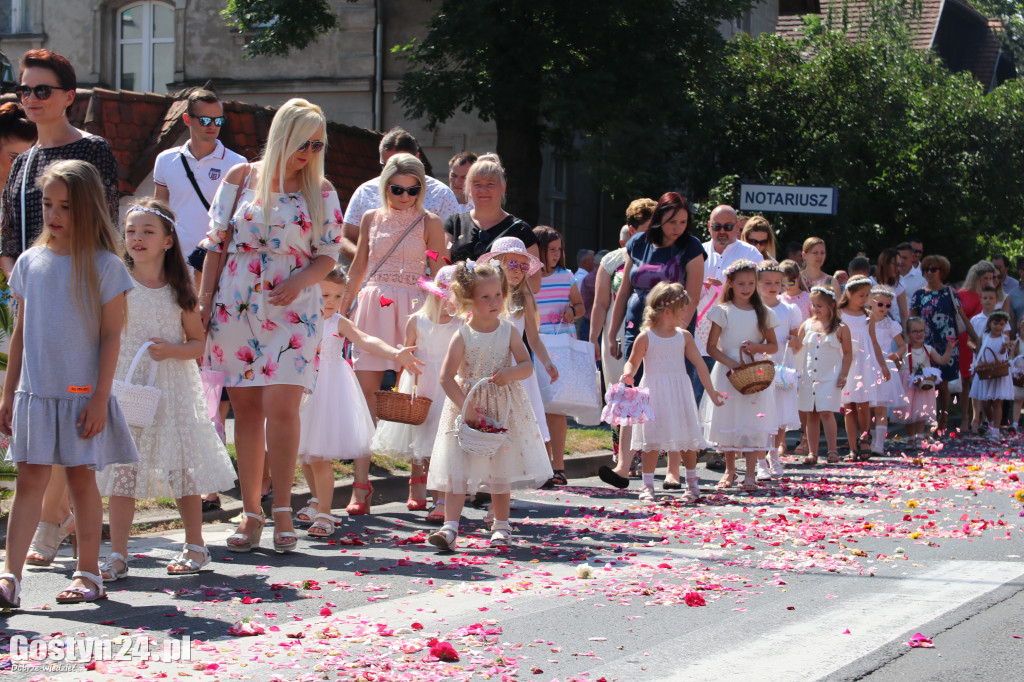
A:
(939, 313)
(252, 341)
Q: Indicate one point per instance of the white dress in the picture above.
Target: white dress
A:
(890, 394)
(992, 389)
(180, 454)
(822, 357)
(416, 443)
(533, 388)
(745, 422)
(335, 422)
(522, 461)
(790, 318)
(865, 375)
(676, 424)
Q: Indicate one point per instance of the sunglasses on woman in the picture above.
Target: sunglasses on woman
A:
(42, 92)
(758, 242)
(930, 269)
(315, 147)
(398, 190)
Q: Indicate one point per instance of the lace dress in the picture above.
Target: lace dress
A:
(388, 298)
(522, 462)
(416, 443)
(992, 389)
(181, 453)
(676, 425)
(335, 422)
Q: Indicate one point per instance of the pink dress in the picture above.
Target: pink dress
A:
(392, 294)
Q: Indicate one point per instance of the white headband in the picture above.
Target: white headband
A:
(824, 290)
(146, 209)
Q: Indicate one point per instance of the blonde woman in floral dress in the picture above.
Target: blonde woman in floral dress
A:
(283, 238)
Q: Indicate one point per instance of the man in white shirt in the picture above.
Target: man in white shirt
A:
(439, 198)
(458, 169)
(910, 276)
(205, 158)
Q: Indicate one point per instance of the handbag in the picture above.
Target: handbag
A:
(786, 377)
(627, 406)
(961, 326)
(213, 387)
(577, 393)
(219, 269)
(381, 262)
(138, 401)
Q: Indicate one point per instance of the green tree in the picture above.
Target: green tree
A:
(597, 77)
(278, 26)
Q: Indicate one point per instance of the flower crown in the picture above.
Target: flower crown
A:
(771, 267)
(738, 266)
(670, 302)
(146, 209)
(824, 290)
(881, 291)
(858, 280)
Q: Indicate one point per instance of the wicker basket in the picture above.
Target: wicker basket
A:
(402, 407)
(138, 401)
(994, 369)
(753, 377)
(480, 443)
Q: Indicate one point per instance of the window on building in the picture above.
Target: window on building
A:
(145, 54)
(13, 18)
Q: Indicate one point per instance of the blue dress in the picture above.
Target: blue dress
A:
(939, 313)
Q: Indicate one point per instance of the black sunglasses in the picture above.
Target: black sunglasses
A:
(398, 190)
(717, 227)
(931, 269)
(42, 92)
(757, 242)
(315, 147)
(207, 121)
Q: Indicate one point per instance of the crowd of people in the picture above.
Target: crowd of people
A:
(230, 276)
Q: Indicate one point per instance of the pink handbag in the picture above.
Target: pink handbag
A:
(627, 405)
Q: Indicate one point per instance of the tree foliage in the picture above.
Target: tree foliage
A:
(278, 26)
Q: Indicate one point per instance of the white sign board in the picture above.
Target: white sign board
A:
(789, 199)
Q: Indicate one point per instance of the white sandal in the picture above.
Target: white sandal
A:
(284, 547)
(501, 534)
(247, 541)
(443, 539)
(323, 526)
(108, 567)
(84, 594)
(647, 495)
(8, 600)
(307, 514)
(189, 566)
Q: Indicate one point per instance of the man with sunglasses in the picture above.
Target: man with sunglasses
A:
(187, 177)
(910, 273)
(438, 198)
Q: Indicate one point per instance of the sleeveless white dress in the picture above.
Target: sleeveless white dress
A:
(533, 388)
(822, 361)
(522, 462)
(180, 454)
(865, 377)
(416, 443)
(334, 422)
(890, 394)
(676, 424)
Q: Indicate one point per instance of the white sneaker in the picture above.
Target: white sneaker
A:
(763, 472)
(775, 464)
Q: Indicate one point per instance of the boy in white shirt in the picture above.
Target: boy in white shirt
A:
(989, 300)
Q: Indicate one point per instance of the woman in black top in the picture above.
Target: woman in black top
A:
(474, 231)
(47, 91)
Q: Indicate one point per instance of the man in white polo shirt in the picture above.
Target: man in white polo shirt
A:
(439, 198)
(187, 177)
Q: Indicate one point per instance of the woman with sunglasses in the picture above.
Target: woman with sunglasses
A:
(757, 232)
(940, 306)
(46, 92)
(398, 244)
(275, 233)
(473, 232)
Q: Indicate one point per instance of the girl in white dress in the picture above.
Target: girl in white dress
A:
(795, 292)
(889, 334)
(827, 356)
(180, 455)
(1018, 391)
(516, 264)
(430, 329)
(868, 370)
(335, 422)
(490, 352)
(920, 407)
(787, 417)
(741, 326)
(676, 427)
(995, 345)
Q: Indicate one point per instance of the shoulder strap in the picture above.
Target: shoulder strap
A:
(195, 185)
(24, 181)
(504, 232)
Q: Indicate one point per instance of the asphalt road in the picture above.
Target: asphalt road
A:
(826, 574)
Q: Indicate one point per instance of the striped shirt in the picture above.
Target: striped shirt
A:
(551, 301)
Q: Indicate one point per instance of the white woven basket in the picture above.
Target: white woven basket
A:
(138, 401)
(480, 443)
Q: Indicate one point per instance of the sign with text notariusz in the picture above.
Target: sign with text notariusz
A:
(789, 199)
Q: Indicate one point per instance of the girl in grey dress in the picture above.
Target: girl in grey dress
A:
(57, 404)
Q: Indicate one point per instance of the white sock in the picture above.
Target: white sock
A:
(692, 482)
(649, 480)
(880, 435)
(501, 525)
(453, 526)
